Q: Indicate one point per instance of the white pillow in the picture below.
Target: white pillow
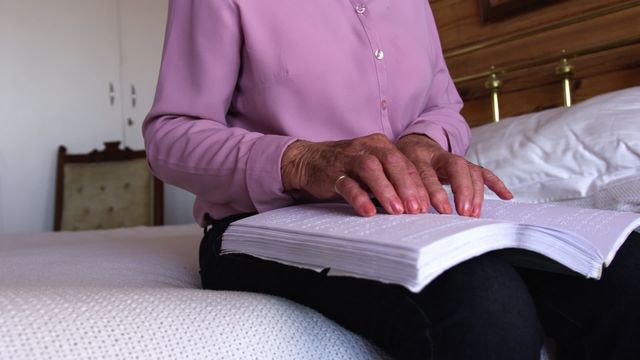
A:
(587, 155)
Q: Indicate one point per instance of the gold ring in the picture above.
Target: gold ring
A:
(335, 184)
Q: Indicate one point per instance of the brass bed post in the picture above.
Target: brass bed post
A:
(565, 71)
(494, 84)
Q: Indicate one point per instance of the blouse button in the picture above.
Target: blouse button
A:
(379, 54)
(360, 9)
(384, 104)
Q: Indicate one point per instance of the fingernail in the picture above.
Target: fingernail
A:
(369, 211)
(413, 205)
(396, 206)
(466, 209)
(447, 208)
(476, 212)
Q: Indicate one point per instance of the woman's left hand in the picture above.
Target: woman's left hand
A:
(437, 166)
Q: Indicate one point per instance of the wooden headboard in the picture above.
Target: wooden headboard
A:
(601, 40)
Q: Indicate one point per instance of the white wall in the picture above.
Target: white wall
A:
(53, 95)
(4, 103)
(57, 59)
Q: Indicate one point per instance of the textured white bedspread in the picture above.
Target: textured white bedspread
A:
(132, 294)
(152, 323)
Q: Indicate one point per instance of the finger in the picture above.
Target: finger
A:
(458, 172)
(496, 185)
(478, 190)
(437, 194)
(359, 199)
(423, 195)
(401, 174)
(370, 172)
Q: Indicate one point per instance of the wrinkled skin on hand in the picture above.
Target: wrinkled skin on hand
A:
(406, 177)
(437, 166)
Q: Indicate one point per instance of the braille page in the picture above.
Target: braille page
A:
(605, 229)
(339, 221)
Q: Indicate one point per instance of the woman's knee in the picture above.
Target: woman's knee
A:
(617, 293)
(482, 307)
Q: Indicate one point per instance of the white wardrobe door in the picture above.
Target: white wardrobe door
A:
(59, 86)
(142, 28)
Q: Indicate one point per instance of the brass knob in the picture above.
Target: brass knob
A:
(565, 71)
(493, 83)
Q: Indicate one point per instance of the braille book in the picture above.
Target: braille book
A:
(412, 250)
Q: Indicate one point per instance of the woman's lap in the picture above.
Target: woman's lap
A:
(593, 319)
(479, 309)
(482, 309)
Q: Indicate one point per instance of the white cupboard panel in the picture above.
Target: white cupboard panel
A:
(142, 27)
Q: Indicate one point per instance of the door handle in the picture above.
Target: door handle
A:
(112, 94)
(134, 96)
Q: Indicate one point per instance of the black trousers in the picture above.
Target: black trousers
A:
(483, 308)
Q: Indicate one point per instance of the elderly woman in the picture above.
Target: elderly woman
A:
(262, 104)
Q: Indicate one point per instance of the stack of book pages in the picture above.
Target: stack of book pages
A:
(412, 250)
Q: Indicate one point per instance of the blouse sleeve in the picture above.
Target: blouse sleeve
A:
(188, 141)
(441, 119)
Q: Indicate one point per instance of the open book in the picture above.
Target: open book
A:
(412, 250)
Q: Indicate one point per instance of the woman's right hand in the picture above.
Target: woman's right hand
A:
(371, 164)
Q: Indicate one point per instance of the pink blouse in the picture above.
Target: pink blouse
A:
(242, 79)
